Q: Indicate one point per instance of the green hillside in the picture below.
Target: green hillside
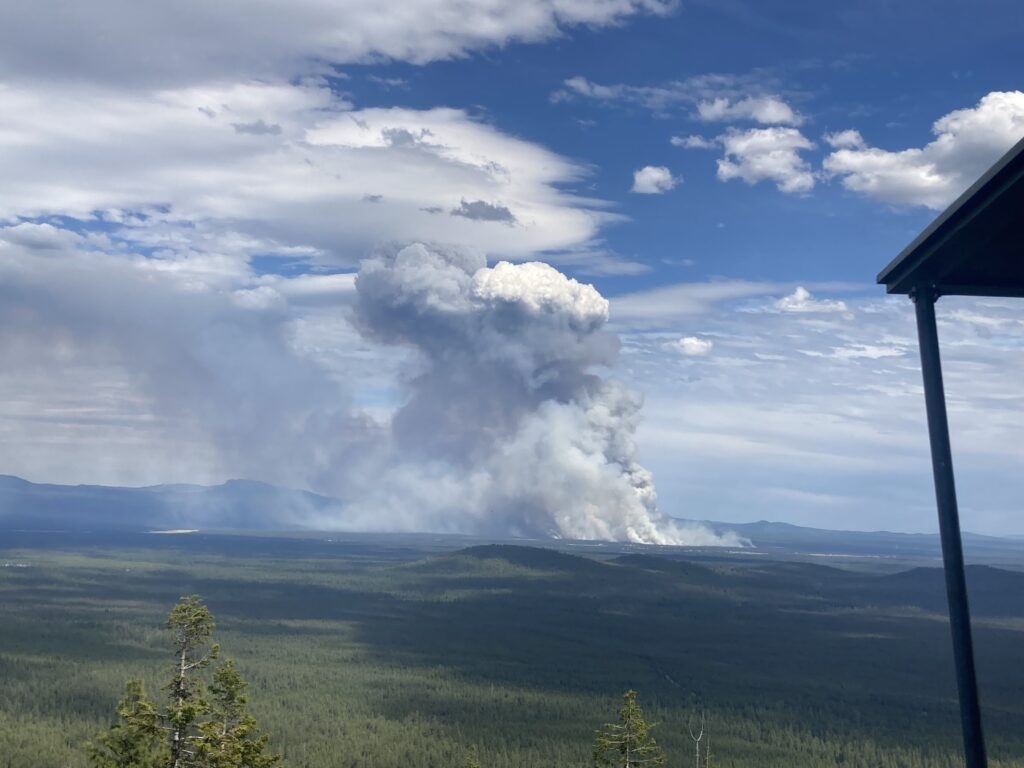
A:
(363, 653)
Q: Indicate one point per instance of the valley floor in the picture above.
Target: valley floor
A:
(378, 651)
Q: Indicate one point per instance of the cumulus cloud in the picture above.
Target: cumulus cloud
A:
(967, 141)
(767, 154)
(760, 154)
(848, 139)
(693, 346)
(801, 300)
(767, 110)
(653, 180)
(507, 427)
(770, 153)
(276, 38)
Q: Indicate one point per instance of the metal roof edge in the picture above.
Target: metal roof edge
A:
(952, 211)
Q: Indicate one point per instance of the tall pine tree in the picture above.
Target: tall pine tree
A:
(191, 625)
(627, 743)
(205, 722)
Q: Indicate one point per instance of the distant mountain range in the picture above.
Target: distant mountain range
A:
(247, 505)
(236, 504)
(795, 538)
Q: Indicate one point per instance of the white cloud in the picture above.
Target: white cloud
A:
(757, 154)
(693, 142)
(767, 154)
(207, 132)
(194, 41)
(653, 180)
(767, 110)
(848, 139)
(691, 345)
(967, 142)
(801, 300)
(170, 171)
(581, 86)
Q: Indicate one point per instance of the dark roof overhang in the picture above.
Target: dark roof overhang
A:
(976, 246)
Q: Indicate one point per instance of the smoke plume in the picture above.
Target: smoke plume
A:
(508, 423)
(508, 426)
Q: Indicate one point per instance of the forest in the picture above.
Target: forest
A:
(388, 651)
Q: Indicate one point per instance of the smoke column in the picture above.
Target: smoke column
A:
(508, 427)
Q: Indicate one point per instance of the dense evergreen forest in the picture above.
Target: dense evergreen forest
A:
(378, 653)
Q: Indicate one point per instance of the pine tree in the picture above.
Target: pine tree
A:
(191, 624)
(137, 740)
(204, 724)
(627, 743)
(472, 758)
(230, 738)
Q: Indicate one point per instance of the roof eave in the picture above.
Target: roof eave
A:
(972, 202)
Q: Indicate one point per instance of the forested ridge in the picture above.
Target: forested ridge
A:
(372, 657)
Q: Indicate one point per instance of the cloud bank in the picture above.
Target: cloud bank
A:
(281, 169)
(153, 44)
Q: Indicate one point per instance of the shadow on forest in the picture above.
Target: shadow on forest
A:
(866, 650)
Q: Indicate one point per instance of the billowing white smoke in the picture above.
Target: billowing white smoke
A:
(508, 427)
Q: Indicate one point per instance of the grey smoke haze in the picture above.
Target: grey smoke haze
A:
(174, 351)
(508, 428)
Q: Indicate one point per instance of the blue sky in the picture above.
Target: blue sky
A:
(191, 194)
(888, 71)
